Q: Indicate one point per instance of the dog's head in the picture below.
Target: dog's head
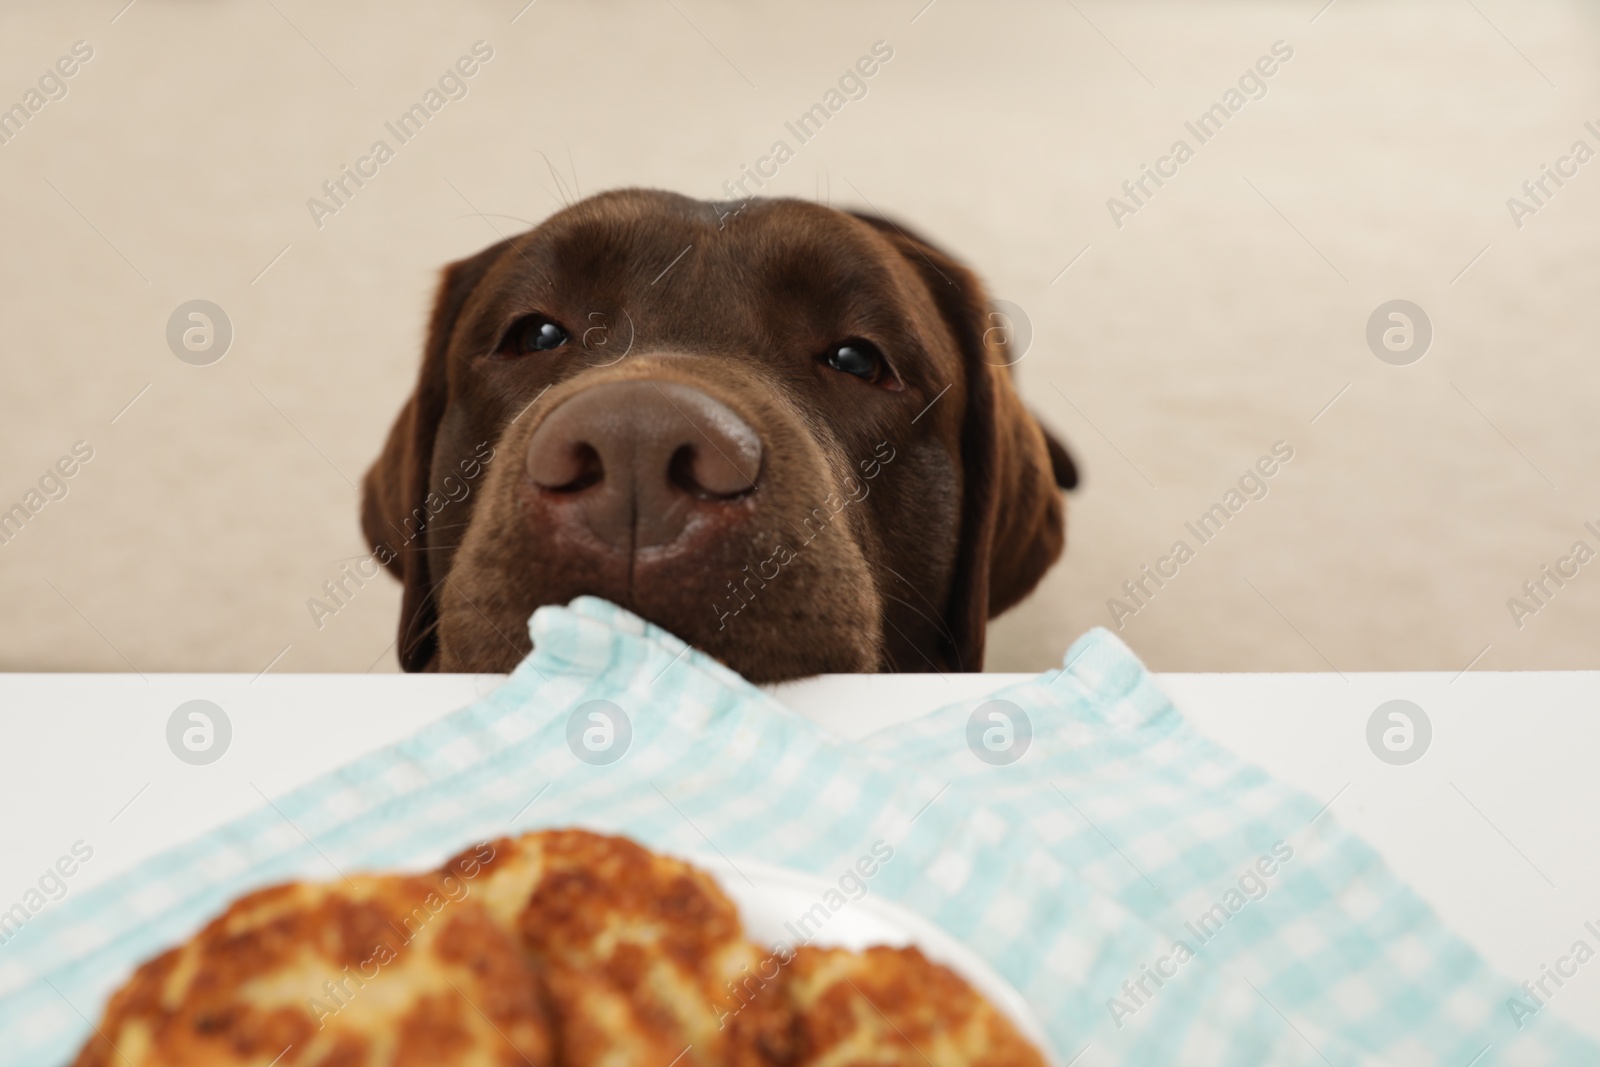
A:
(786, 434)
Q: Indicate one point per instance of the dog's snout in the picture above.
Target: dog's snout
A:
(640, 460)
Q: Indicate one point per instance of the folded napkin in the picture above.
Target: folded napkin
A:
(1074, 870)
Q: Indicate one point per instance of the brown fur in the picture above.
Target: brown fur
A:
(960, 518)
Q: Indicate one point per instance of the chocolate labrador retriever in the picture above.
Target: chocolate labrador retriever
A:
(787, 435)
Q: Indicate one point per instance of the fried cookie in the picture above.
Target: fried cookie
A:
(639, 951)
(883, 1007)
(372, 971)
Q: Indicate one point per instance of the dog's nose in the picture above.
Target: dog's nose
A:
(641, 460)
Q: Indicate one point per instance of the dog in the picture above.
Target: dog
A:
(786, 434)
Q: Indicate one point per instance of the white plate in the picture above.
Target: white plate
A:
(775, 897)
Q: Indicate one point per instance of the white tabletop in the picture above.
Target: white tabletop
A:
(1498, 826)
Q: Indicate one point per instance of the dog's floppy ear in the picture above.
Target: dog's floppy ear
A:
(393, 514)
(1062, 465)
(1013, 523)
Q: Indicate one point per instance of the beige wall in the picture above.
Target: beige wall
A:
(1216, 321)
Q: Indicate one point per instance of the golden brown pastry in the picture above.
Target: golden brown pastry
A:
(637, 949)
(884, 1006)
(372, 971)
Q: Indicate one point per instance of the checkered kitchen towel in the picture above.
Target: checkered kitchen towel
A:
(1293, 931)
(1324, 960)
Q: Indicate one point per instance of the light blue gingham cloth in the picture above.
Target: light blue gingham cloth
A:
(1072, 871)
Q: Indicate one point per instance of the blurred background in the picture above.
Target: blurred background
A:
(1174, 341)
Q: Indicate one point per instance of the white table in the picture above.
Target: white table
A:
(1498, 825)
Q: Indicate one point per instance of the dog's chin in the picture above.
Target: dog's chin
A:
(762, 649)
(767, 630)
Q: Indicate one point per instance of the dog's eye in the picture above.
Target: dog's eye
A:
(535, 333)
(856, 357)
